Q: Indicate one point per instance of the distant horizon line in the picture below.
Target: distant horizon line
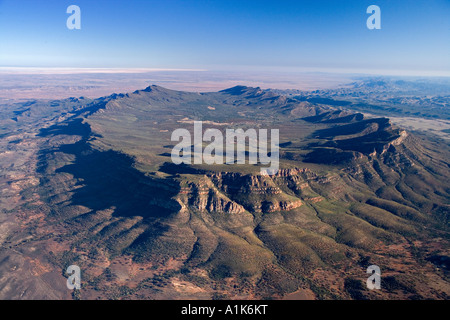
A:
(81, 70)
(135, 70)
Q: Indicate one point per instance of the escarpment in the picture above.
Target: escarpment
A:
(230, 192)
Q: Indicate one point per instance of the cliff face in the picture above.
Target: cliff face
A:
(230, 192)
(204, 197)
(362, 139)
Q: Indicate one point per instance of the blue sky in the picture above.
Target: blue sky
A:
(227, 34)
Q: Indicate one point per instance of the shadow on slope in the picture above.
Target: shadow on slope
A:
(107, 179)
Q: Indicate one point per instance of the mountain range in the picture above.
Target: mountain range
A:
(90, 182)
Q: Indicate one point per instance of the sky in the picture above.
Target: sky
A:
(321, 35)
